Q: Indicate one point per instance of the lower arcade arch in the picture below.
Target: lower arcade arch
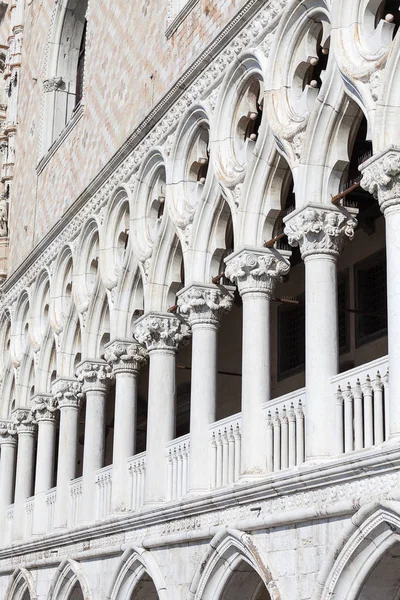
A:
(365, 562)
(21, 586)
(233, 567)
(137, 577)
(69, 583)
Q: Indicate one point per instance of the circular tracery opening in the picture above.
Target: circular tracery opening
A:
(312, 56)
(157, 203)
(248, 118)
(389, 11)
(198, 162)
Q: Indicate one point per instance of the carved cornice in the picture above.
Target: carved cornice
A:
(257, 270)
(205, 303)
(44, 407)
(380, 177)
(8, 433)
(94, 375)
(24, 421)
(68, 393)
(125, 356)
(319, 230)
(158, 331)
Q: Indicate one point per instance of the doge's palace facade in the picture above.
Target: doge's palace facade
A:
(200, 300)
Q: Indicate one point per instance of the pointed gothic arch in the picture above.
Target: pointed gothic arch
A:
(136, 577)
(232, 561)
(69, 582)
(21, 586)
(363, 564)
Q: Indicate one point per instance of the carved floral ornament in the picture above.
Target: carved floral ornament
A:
(24, 421)
(159, 331)
(44, 408)
(68, 393)
(380, 177)
(94, 374)
(7, 432)
(255, 270)
(316, 230)
(124, 355)
(205, 304)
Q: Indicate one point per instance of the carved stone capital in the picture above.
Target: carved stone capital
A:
(24, 421)
(159, 331)
(44, 407)
(257, 270)
(381, 177)
(205, 303)
(68, 393)
(94, 375)
(53, 84)
(319, 230)
(125, 356)
(8, 433)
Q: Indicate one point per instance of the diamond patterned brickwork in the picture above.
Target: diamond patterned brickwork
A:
(126, 43)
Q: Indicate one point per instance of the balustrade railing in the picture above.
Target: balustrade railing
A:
(362, 406)
(285, 422)
(51, 498)
(75, 501)
(29, 508)
(103, 483)
(178, 457)
(225, 450)
(137, 473)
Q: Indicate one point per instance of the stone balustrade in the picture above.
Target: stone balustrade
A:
(362, 406)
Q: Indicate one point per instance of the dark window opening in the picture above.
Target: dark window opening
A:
(291, 339)
(371, 298)
(388, 10)
(318, 64)
(80, 67)
(343, 316)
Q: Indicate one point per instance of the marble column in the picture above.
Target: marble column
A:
(126, 359)
(68, 393)
(44, 410)
(256, 272)
(8, 445)
(26, 432)
(381, 177)
(95, 376)
(320, 232)
(204, 304)
(161, 334)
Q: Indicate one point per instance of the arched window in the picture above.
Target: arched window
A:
(64, 86)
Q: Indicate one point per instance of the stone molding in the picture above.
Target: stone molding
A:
(24, 421)
(68, 393)
(319, 230)
(44, 407)
(205, 303)
(161, 331)
(257, 270)
(380, 177)
(8, 433)
(125, 356)
(95, 375)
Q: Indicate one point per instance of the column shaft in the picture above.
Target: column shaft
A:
(93, 451)
(45, 455)
(392, 218)
(321, 353)
(124, 435)
(160, 421)
(255, 381)
(203, 402)
(25, 466)
(7, 471)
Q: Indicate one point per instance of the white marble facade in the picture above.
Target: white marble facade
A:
(152, 445)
